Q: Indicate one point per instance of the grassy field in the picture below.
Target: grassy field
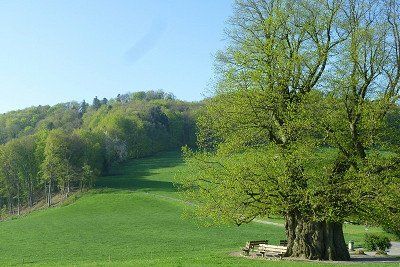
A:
(133, 217)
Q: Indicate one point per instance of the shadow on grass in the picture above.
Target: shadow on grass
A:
(137, 174)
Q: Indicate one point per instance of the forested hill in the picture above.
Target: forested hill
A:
(55, 149)
(72, 115)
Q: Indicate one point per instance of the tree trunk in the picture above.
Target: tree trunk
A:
(18, 201)
(315, 240)
(49, 194)
(10, 205)
(30, 194)
(68, 189)
(18, 208)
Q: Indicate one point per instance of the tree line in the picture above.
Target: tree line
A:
(47, 150)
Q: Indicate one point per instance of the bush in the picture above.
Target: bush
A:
(376, 242)
(393, 231)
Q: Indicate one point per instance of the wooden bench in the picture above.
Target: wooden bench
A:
(271, 250)
(252, 244)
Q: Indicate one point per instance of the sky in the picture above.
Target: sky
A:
(61, 50)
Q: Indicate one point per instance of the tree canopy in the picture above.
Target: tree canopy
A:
(301, 123)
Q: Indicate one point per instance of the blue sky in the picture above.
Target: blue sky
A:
(61, 50)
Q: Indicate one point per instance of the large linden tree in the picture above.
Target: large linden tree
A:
(299, 126)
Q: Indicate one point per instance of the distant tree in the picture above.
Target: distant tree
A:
(27, 165)
(61, 116)
(141, 95)
(123, 98)
(153, 95)
(169, 96)
(21, 123)
(104, 101)
(83, 107)
(49, 125)
(96, 103)
(11, 184)
(88, 176)
(20, 170)
(94, 151)
(157, 116)
(63, 160)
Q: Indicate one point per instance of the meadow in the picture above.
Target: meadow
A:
(135, 217)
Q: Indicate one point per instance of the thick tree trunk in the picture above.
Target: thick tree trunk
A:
(315, 240)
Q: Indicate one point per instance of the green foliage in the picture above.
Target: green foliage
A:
(66, 116)
(96, 104)
(66, 147)
(63, 160)
(376, 242)
(19, 123)
(131, 213)
(393, 230)
(19, 171)
(303, 122)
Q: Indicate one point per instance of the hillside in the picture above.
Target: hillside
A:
(133, 216)
(50, 151)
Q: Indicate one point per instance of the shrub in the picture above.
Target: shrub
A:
(376, 242)
(393, 231)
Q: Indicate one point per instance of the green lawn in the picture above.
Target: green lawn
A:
(132, 218)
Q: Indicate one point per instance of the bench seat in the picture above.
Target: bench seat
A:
(271, 250)
(252, 244)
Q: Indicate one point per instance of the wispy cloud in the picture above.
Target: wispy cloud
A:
(148, 41)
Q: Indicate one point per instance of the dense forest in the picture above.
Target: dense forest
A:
(48, 150)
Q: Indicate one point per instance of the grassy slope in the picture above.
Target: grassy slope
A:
(132, 218)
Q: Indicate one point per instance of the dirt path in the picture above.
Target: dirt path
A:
(268, 222)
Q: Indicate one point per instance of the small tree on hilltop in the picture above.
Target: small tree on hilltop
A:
(96, 103)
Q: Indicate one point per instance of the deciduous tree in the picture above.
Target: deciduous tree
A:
(304, 86)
